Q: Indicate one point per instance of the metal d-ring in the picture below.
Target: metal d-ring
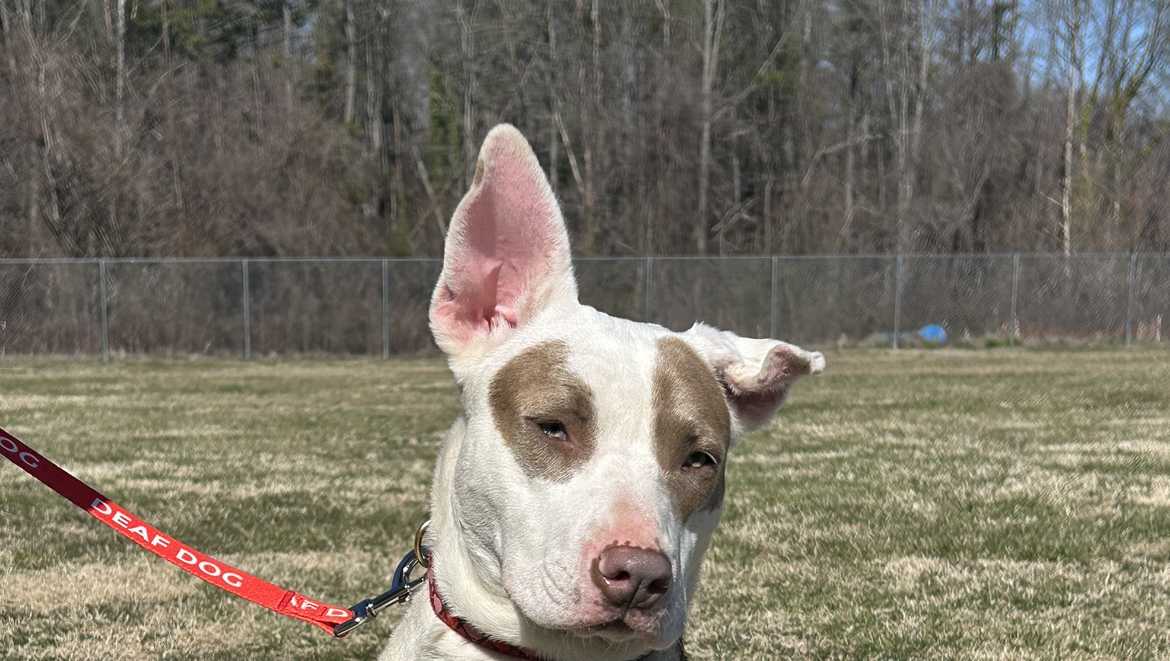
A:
(419, 556)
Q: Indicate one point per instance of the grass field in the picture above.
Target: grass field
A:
(997, 504)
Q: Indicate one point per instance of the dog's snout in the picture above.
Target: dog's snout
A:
(631, 577)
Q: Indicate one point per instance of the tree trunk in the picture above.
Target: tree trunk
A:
(1069, 133)
(924, 55)
(467, 47)
(713, 12)
(53, 219)
(119, 118)
(903, 88)
(437, 211)
(768, 225)
(554, 142)
(120, 83)
(631, 176)
(350, 62)
(9, 49)
(374, 102)
(736, 185)
(397, 180)
(257, 92)
(172, 139)
(591, 122)
(107, 13)
(286, 11)
(847, 221)
(798, 133)
(653, 220)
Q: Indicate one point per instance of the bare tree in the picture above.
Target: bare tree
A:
(795, 125)
(553, 139)
(906, 56)
(1072, 23)
(286, 33)
(350, 63)
(467, 48)
(713, 16)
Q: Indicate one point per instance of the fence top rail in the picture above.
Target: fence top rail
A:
(208, 260)
(617, 258)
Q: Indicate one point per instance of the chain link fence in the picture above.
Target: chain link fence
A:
(273, 307)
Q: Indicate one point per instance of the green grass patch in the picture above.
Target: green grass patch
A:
(947, 504)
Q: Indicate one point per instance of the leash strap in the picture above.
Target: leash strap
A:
(198, 564)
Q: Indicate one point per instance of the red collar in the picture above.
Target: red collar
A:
(465, 629)
(477, 637)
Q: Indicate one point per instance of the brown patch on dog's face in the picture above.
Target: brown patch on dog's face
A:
(690, 418)
(536, 392)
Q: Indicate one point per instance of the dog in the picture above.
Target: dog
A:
(575, 497)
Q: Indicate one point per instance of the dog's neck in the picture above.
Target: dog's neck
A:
(474, 593)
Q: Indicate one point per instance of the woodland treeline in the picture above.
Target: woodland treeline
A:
(349, 127)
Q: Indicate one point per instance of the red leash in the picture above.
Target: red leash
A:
(236, 581)
(198, 564)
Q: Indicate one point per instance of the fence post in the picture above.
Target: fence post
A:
(385, 309)
(773, 312)
(1014, 321)
(647, 284)
(247, 300)
(897, 299)
(1129, 293)
(105, 304)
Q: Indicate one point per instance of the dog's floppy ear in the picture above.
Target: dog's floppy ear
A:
(755, 374)
(507, 252)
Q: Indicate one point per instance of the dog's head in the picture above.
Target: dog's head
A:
(591, 473)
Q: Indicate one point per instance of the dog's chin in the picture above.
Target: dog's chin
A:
(619, 630)
(601, 623)
(643, 630)
(615, 628)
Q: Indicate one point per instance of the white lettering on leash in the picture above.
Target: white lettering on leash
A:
(209, 568)
(141, 531)
(100, 508)
(26, 458)
(303, 604)
(299, 602)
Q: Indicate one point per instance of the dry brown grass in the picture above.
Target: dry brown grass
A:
(920, 504)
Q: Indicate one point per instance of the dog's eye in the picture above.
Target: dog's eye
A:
(553, 429)
(700, 459)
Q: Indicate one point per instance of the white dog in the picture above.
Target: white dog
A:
(573, 501)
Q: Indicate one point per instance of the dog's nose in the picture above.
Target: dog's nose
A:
(630, 577)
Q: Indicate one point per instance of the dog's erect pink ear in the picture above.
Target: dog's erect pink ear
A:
(755, 374)
(507, 253)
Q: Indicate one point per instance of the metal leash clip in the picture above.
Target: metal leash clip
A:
(401, 587)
